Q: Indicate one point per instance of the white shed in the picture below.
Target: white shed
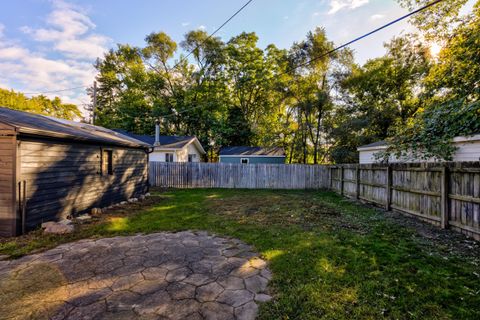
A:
(468, 149)
(171, 148)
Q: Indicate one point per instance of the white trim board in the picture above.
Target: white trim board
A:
(459, 139)
(193, 140)
(372, 148)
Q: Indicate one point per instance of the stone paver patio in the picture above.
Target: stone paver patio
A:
(182, 275)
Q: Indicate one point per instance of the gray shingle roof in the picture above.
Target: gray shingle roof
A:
(168, 142)
(252, 151)
(40, 125)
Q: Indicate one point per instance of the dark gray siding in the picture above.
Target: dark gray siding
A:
(7, 183)
(65, 179)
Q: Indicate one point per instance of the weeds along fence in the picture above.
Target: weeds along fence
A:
(229, 175)
(446, 195)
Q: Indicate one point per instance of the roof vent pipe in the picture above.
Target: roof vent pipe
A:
(157, 133)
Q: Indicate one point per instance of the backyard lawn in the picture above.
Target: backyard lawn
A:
(331, 258)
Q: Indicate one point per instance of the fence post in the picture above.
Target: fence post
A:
(357, 176)
(341, 180)
(444, 198)
(330, 169)
(389, 188)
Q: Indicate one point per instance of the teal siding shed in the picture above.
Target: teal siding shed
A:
(253, 160)
(252, 155)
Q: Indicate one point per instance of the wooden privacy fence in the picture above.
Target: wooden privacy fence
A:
(232, 175)
(446, 195)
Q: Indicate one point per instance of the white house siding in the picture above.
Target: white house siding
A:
(367, 156)
(182, 155)
(192, 149)
(179, 155)
(468, 149)
(159, 155)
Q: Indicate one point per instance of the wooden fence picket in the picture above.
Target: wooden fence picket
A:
(446, 195)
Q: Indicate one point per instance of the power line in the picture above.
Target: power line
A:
(176, 65)
(364, 36)
(209, 37)
(53, 91)
(213, 33)
(336, 48)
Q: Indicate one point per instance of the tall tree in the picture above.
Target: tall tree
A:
(452, 99)
(206, 94)
(381, 95)
(310, 91)
(120, 101)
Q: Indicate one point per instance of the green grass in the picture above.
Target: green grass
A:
(331, 258)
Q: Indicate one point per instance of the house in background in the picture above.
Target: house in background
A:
(252, 155)
(53, 168)
(171, 148)
(468, 149)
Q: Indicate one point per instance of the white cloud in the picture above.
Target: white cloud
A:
(69, 29)
(202, 27)
(337, 5)
(37, 73)
(185, 24)
(377, 17)
(68, 61)
(90, 47)
(12, 53)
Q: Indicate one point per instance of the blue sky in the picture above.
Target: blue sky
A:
(52, 44)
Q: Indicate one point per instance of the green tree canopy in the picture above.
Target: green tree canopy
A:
(319, 107)
(452, 106)
(39, 104)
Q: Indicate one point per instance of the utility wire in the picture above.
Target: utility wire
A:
(193, 50)
(336, 48)
(213, 33)
(181, 59)
(364, 36)
(53, 91)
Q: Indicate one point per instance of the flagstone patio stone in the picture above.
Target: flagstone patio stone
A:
(183, 275)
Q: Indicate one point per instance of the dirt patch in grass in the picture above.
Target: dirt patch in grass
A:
(444, 241)
(284, 209)
(447, 241)
(276, 209)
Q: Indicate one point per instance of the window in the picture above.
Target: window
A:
(168, 157)
(107, 162)
(192, 157)
(244, 161)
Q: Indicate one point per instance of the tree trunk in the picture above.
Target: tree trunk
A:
(304, 143)
(317, 138)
